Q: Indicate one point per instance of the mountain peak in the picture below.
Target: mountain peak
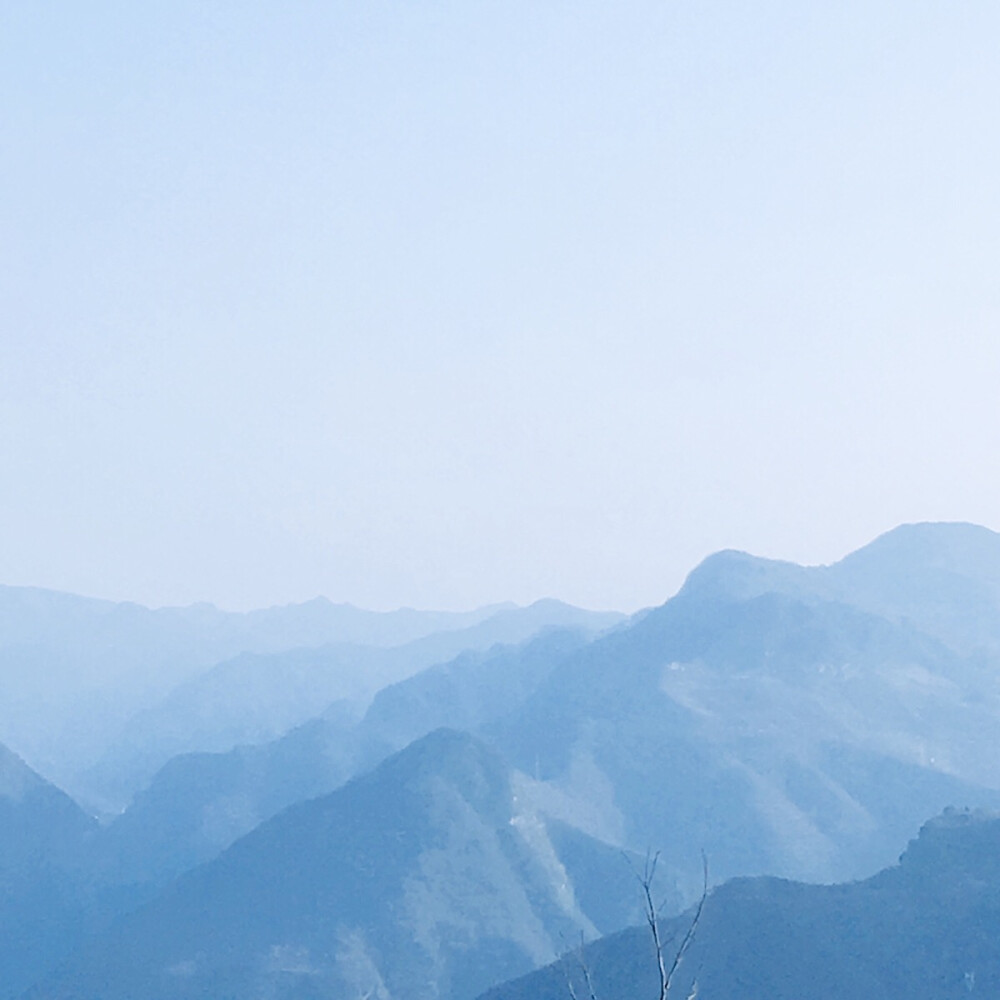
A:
(952, 845)
(955, 547)
(735, 575)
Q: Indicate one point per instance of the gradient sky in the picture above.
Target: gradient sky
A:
(446, 303)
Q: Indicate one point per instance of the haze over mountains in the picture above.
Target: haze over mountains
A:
(99, 694)
(200, 802)
(434, 814)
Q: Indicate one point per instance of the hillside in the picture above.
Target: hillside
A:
(199, 803)
(925, 929)
(42, 897)
(424, 878)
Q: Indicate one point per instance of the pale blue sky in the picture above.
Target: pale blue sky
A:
(445, 303)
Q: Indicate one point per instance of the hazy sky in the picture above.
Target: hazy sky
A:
(445, 303)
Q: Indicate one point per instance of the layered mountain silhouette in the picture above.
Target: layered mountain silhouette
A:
(925, 929)
(200, 803)
(779, 728)
(944, 579)
(428, 877)
(788, 721)
(74, 669)
(776, 727)
(98, 695)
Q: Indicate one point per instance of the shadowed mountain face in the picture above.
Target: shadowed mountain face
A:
(426, 878)
(38, 823)
(923, 930)
(42, 837)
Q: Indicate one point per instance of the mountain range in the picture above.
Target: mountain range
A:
(97, 695)
(467, 821)
(428, 877)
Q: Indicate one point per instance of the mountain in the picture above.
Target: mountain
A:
(39, 824)
(428, 877)
(944, 579)
(790, 721)
(779, 728)
(253, 698)
(74, 669)
(759, 716)
(925, 929)
(42, 835)
(199, 803)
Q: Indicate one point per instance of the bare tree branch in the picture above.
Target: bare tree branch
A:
(581, 958)
(645, 878)
(693, 926)
(652, 914)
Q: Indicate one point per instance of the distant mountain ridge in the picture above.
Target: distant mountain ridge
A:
(254, 697)
(74, 670)
(942, 577)
(61, 654)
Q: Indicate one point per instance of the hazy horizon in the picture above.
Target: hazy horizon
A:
(500, 604)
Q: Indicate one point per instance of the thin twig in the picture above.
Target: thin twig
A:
(652, 915)
(693, 926)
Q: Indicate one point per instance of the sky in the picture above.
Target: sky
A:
(439, 304)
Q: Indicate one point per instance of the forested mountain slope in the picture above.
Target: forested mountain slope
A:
(200, 803)
(782, 729)
(428, 877)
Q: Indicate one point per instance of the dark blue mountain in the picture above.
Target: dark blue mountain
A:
(431, 876)
(925, 929)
